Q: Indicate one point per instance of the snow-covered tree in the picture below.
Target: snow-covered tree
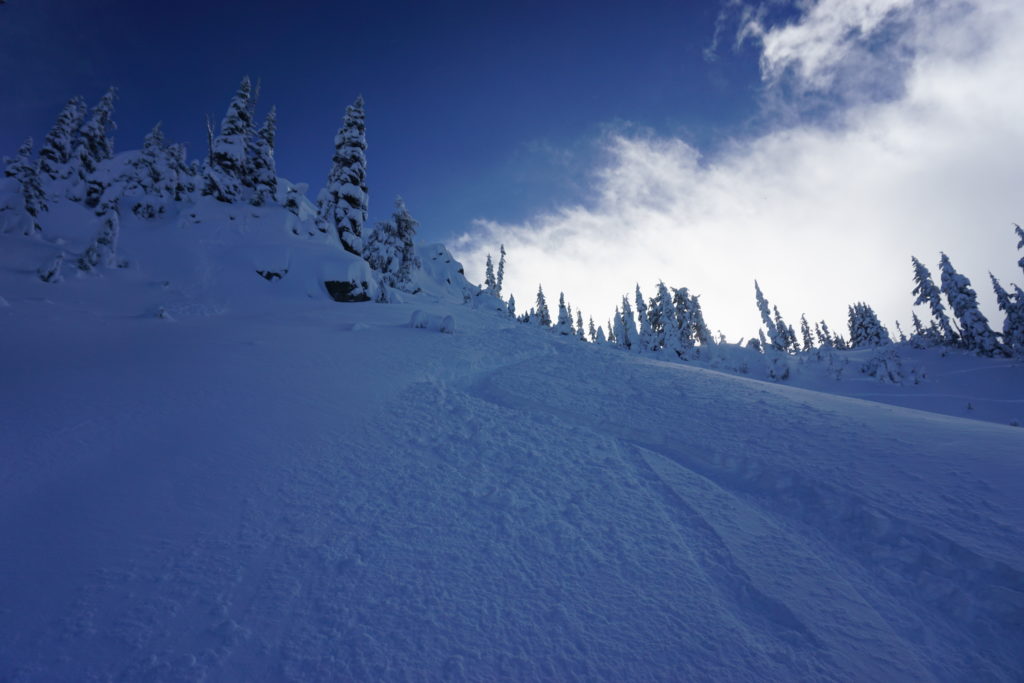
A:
(645, 335)
(918, 328)
(59, 146)
(865, 327)
(805, 332)
(227, 173)
(667, 334)
(489, 282)
(261, 160)
(151, 177)
(564, 324)
(974, 328)
(631, 336)
(26, 171)
(1012, 306)
(1020, 243)
(927, 293)
(683, 305)
(500, 279)
(390, 249)
(786, 335)
(779, 339)
(342, 204)
(825, 338)
(592, 331)
(541, 314)
(95, 143)
(103, 250)
(511, 306)
(617, 329)
(701, 333)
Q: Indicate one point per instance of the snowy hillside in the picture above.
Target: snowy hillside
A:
(223, 456)
(307, 490)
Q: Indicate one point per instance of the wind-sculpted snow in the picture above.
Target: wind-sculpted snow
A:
(320, 491)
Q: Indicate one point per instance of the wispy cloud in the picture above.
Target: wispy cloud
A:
(822, 215)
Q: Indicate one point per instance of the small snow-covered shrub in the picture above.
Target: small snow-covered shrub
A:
(425, 321)
(419, 319)
(887, 367)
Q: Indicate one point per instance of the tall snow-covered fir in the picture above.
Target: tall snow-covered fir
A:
(343, 203)
(227, 174)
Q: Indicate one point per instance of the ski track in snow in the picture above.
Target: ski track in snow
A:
(495, 504)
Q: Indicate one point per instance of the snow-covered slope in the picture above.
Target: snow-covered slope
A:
(271, 487)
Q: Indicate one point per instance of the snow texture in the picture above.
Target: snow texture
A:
(212, 471)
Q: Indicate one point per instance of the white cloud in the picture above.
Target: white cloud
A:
(831, 33)
(821, 216)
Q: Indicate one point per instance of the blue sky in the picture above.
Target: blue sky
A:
(814, 145)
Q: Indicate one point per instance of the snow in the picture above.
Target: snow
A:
(271, 485)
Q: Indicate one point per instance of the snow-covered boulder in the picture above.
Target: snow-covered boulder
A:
(438, 323)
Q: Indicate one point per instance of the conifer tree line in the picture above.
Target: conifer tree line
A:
(671, 323)
(76, 163)
(957, 323)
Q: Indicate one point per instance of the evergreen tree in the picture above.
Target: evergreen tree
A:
(499, 281)
(511, 306)
(683, 305)
(59, 147)
(94, 141)
(667, 333)
(903, 337)
(263, 166)
(826, 339)
(592, 330)
(342, 205)
(227, 174)
(805, 332)
(631, 337)
(865, 327)
(974, 328)
(645, 336)
(701, 333)
(103, 250)
(489, 282)
(617, 328)
(927, 293)
(564, 325)
(1020, 243)
(599, 338)
(26, 172)
(390, 249)
(918, 329)
(779, 338)
(181, 179)
(155, 172)
(1012, 306)
(543, 317)
(785, 335)
(581, 333)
